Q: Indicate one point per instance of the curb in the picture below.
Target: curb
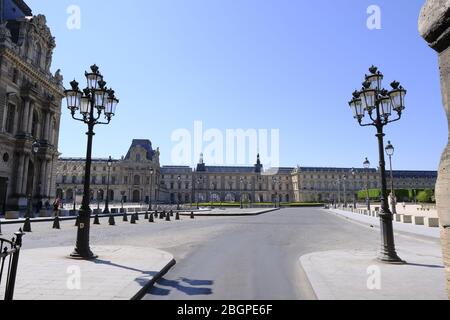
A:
(398, 227)
(141, 293)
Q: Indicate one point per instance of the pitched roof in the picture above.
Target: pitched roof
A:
(143, 143)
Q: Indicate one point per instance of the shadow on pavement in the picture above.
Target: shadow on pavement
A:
(184, 285)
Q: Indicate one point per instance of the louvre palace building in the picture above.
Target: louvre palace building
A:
(139, 177)
(30, 107)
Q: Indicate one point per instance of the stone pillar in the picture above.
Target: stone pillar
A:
(42, 179)
(30, 118)
(25, 115)
(434, 26)
(20, 174)
(25, 176)
(47, 127)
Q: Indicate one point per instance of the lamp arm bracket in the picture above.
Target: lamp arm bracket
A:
(78, 119)
(395, 120)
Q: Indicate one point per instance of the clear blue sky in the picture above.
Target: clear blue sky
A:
(284, 64)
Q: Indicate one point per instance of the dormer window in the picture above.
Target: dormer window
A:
(138, 157)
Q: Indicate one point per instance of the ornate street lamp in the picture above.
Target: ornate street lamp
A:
(338, 181)
(75, 191)
(151, 189)
(353, 173)
(344, 178)
(178, 195)
(29, 214)
(379, 104)
(93, 102)
(109, 165)
(390, 152)
(241, 183)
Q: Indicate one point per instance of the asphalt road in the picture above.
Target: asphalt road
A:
(254, 257)
(258, 258)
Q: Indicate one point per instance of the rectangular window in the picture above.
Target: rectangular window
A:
(10, 118)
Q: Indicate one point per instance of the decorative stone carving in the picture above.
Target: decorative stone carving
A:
(434, 26)
(58, 77)
(5, 35)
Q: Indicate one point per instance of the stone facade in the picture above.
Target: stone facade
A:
(434, 26)
(30, 107)
(130, 177)
(131, 180)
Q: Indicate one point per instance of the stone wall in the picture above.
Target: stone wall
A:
(434, 26)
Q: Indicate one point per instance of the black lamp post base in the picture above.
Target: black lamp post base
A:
(392, 258)
(85, 255)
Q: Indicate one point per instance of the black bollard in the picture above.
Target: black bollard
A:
(151, 220)
(112, 221)
(56, 224)
(125, 217)
(162, 215)
(171, 213)
(192, 215)
(133, 219)
(177, 216)
(96, 219)
(168, 217)
(27, 225)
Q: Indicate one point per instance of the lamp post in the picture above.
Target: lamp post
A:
(353, 173)
(95, 100)
(109, 164)
(35, 147)
(178, 195)
(367, 166)
(344, 178)
(98, 201)
(151, 189)
(338, 181)
(75, 191)
(379, 105)
(241, 182)
(123, 198)
(390, 152)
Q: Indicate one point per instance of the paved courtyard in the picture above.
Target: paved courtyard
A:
(249, 257)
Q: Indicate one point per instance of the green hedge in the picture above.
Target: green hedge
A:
(406, 195)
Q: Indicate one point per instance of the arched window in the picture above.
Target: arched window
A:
(138, 157)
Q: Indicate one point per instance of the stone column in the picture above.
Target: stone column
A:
(47, 127)
(25, 176)
(20, 174)
(30, 118)
(25, 115)
(42, 179)
(434, 26)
